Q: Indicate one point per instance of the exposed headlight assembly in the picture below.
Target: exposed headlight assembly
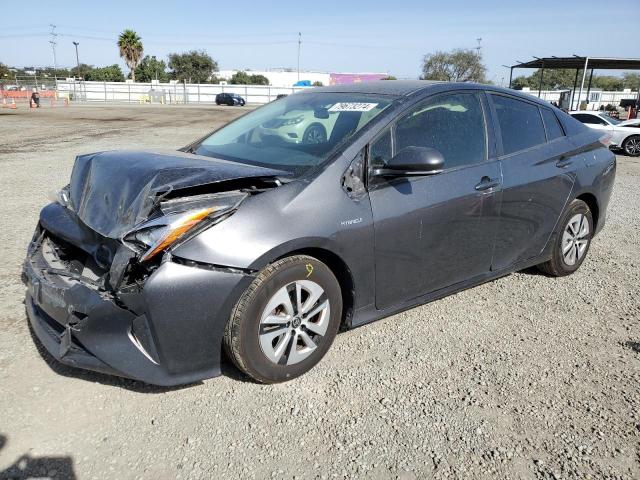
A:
(181, 218)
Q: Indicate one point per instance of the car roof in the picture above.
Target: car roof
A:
(381, 87)
(596, 113)
(405, 88)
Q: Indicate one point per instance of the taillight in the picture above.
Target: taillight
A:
(605, 139)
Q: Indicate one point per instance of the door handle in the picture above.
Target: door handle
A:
(486, 183)
(564, 162)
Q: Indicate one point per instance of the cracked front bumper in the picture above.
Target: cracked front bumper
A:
(173, 337)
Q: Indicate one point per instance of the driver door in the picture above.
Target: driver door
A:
(434, 231)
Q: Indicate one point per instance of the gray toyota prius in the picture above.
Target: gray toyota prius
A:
(321, 211)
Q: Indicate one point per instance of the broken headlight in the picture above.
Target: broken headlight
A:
(181, 217)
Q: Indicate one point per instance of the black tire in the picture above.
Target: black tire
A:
(631, 146)
(242, 332)
(557, 266)
(314, 134)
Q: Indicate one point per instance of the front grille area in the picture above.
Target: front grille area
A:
(63, 257)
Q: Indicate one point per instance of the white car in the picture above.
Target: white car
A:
(316, 127)
(624, 135)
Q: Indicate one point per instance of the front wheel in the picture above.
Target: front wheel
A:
(315, 133)
(573, 241)
(286, 320)
(631, 146)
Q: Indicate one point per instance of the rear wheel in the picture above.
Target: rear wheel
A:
(572, 243)
(631, 146)
(286, 320)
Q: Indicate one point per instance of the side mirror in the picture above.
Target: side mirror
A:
(321, 113)
(412, 161)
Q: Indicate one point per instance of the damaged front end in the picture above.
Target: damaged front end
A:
(105, 293)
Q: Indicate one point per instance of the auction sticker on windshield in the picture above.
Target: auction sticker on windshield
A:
(352, 107)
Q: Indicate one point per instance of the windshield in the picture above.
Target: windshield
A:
(611, 120)
(295, 133)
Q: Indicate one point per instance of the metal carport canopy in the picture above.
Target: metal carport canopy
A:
(577, 62)
(597, 63)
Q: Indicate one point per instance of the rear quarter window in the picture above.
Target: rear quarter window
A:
(554, 130)
(571, 125)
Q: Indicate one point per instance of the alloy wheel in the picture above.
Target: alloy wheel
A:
(632, 146)
(575, 239)
(315, 135)
(294, 322)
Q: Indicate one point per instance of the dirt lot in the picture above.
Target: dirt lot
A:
(523, 377)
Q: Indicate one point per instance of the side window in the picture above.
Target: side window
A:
(380, 150)
(520, 124)
(554, 130)
(451, 123)
(589, 119)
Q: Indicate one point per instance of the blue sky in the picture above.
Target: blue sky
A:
(348, 36)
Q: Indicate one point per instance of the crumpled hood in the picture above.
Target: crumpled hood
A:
(111, 192)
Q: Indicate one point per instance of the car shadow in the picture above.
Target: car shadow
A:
(535, 272)
(97, 377)
(28, 467)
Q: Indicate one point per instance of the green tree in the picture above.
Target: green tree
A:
(631, 80)
(131, 49)
(606, 82)
(54, 72)
(111, 73)
(243, 78)
(459, 65)
(151, 68)
(81, 71)
(239, 78)
(553, 79)
(389, 77)
(317, 83)
(261, 80)
(5, 73)
(192, 67)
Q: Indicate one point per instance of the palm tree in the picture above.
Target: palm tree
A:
(131, 49)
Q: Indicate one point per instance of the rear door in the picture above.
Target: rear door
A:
(538, 167)
(435, 231)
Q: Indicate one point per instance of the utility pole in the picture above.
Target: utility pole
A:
(53, 43)
(299, 44)
(479, 47)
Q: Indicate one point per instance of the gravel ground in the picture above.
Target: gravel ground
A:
(523, 377)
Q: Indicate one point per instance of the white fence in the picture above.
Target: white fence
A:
(155, 92)
(595, 100)
(193, 93)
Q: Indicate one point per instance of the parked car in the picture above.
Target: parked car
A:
(231, 99)
(150, 264)
(624, 135)
(633, 123)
